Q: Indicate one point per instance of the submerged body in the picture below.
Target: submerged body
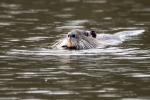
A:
(81, 39)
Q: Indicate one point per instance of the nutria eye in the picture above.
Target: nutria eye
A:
(73, 36)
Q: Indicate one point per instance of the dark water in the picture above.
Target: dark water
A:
(29, 70)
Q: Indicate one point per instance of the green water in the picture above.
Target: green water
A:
(29, 70)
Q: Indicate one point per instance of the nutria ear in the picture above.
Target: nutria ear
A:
(86, 34)
(93, 33)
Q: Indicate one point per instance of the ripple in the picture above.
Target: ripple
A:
(52, 92)
(72, 0)
(30, 11)
(14, 40)
(140, 75)
(27, 75)
(98, 11)
(8, 98)
(73, 24)
(125, 53)
(6, 16)
(108, 18)
(68, 9)
(68, 27)
(10, 6)
(125, 28)
(35, 38)
(133, 58)
(28, 19)
(109, 95)
(141, 10)
(41, 28)
(5, 23)
(76, 22)
(135, 99)
(64, 15)
(95, 1)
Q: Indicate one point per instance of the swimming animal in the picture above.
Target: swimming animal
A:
(83, 39)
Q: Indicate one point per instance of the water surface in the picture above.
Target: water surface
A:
(30, 70)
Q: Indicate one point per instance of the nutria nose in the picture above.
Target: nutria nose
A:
(66, 47)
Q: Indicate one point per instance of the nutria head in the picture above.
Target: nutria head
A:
(78, 39)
